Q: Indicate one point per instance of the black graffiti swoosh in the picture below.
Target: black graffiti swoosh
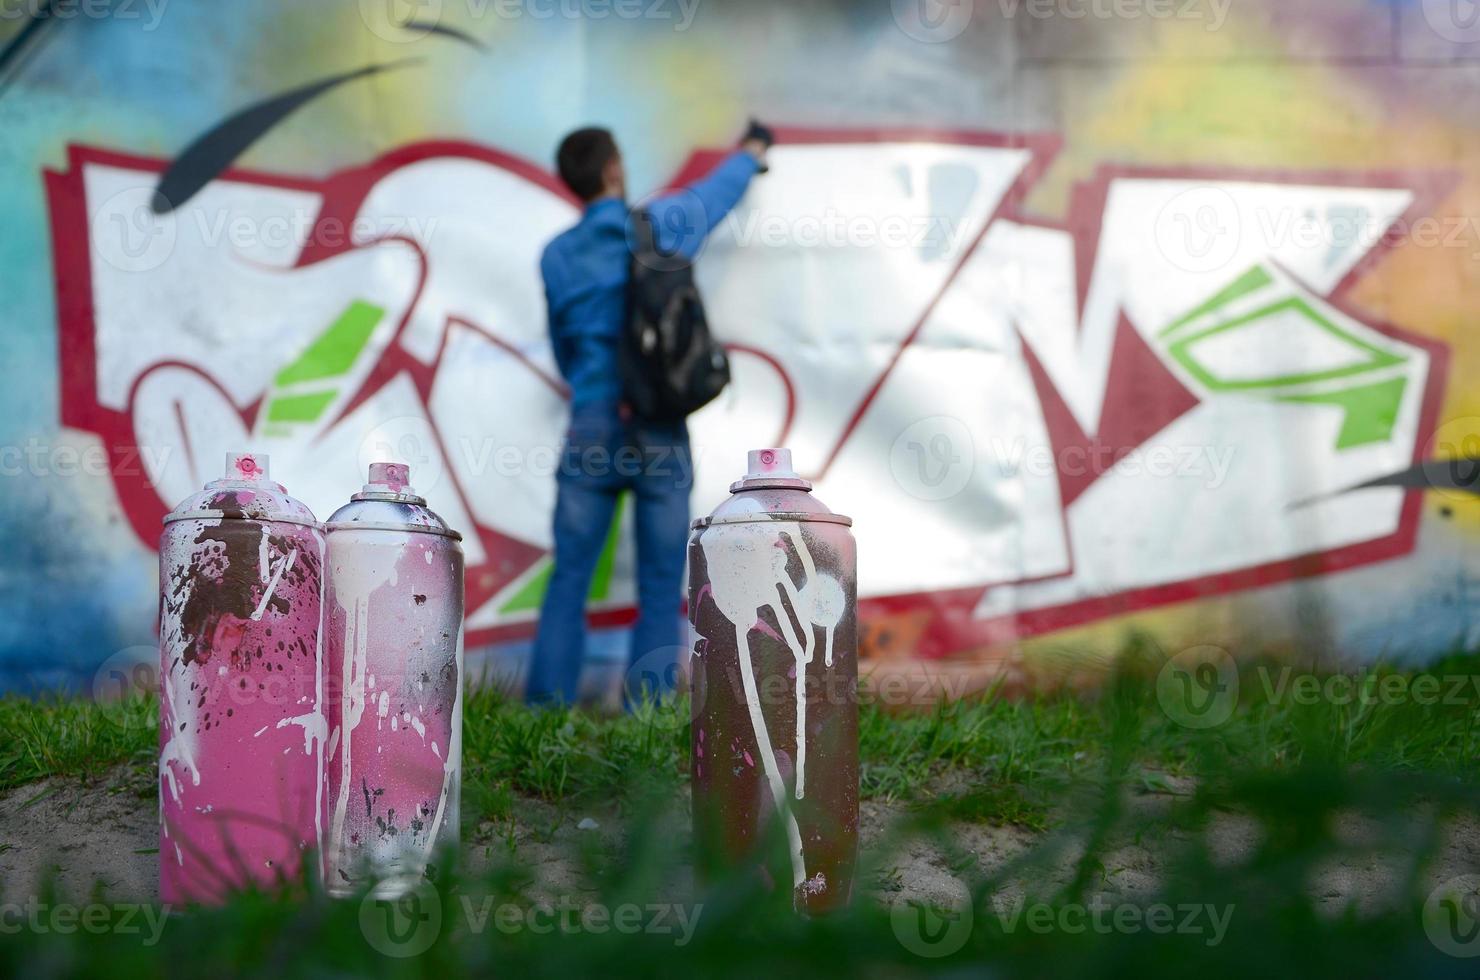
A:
(1461, 473)
(445, 31)
(213, 151)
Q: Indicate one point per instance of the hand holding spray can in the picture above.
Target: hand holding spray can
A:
(394, 636)
(241, 723)
(772, 597)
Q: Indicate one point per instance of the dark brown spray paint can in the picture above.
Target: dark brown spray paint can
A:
(241, 721)
(773, 601)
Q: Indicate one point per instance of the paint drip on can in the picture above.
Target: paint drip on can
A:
(772, 599)
(394, 640)
(241, 733)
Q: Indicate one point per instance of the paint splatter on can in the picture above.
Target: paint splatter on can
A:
(395, 666)
(241, 728)
(772, 598)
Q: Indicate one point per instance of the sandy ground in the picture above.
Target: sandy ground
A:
(87, 839)
(80, 837)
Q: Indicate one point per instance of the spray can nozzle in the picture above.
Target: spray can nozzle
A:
(247, 467)
(769, 468)
(774, 463)
(389, 478)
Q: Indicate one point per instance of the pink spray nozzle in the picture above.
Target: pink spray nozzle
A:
(769, 468)
(394, 477)
(251, 467)
(769, 462)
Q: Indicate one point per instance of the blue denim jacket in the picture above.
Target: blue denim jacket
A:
(585, 271)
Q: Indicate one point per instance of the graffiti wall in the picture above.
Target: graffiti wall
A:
(1096, 317)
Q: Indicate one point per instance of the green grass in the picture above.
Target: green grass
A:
(1066, 770)
(1014, 754)
(1011, 751)
(66, 737)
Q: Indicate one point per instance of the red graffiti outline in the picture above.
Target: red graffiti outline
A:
(952, 626)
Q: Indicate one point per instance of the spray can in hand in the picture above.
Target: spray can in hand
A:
(394, 637)
(774, 739)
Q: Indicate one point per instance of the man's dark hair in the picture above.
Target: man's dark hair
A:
(582, 157)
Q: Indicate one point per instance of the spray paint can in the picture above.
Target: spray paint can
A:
(395, 664)
(241, 726)
(773, 601)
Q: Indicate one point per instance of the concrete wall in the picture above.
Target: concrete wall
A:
(1095, 315)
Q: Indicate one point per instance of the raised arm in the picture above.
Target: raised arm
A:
(684, 218)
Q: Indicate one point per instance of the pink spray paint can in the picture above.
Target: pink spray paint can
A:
(395, 663)
(241, 727)
(774, 740)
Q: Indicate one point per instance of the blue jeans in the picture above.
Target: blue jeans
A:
(604, 456)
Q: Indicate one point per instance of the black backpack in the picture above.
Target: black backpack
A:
(670, 363)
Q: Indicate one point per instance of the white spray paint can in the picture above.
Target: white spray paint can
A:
(394, 641)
